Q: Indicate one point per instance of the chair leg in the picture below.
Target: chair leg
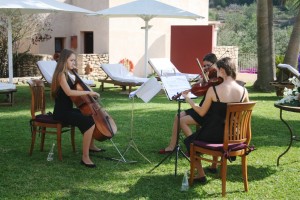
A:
(223, 175)
(59, 151)
(192, 164)
(215, 161)
(245, 172)
(43, 133)
(73, 137)
(33, 136)
(129, 90)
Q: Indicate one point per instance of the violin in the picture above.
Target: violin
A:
(105, 127)
(200, 89)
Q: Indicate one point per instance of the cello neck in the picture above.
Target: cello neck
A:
(80, 81)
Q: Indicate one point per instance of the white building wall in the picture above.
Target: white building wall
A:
(127, 39)
(72, 24)
(121, 37)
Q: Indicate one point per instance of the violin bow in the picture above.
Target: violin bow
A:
(204, 75)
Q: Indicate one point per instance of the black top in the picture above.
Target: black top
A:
(212, 129)
(64, 111)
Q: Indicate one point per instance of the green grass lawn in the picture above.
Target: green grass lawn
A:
(33, 177)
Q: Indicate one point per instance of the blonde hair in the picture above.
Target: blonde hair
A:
(61, 67)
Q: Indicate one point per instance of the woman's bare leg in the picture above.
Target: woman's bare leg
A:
(199, 168)
(185, 121)
(93, 146)
(86, 142)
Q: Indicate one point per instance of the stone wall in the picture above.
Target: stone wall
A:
(88, 67)
(227, 51)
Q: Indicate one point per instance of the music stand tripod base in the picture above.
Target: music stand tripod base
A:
(122, 159)
(177, 149)
(134, 146)
(131, 143)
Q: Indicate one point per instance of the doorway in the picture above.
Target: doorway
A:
(88, 42)
(59, 44)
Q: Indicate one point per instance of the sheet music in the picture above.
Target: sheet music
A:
(176, 84)
(148, 90)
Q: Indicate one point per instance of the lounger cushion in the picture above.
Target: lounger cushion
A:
(118, 72)
(47, 69)
(164, 67)
(7, 86)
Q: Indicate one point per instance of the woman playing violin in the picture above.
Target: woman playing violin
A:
(214, 108)
(63, 110)
(190, 116)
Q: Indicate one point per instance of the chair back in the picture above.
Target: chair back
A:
(238, 123)
(38, 104)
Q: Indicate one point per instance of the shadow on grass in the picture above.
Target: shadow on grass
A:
(162, 186)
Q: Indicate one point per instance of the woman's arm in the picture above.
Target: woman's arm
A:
(69, 92)
(246, 98)
(201, 110)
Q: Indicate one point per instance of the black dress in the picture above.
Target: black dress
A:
(64, 111)
(213, 128)
(199, 119)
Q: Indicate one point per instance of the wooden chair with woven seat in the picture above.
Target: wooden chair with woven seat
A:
(237, 136)
(44, 123)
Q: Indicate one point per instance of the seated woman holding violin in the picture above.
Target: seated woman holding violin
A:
(190, 116)
(213, 109)
(62, 91)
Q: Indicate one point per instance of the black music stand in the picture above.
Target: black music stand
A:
(173, 84)
(177, 148)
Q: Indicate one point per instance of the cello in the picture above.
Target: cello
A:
(105, 127)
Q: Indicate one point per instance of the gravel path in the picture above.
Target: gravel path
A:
(248, 78)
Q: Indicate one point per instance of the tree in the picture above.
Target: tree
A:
(293, 46)
(265, 46)
(33, 28)
(239, 28)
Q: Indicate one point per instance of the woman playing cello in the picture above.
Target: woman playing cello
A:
(63, 110)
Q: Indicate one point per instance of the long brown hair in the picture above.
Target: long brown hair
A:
(61, 67)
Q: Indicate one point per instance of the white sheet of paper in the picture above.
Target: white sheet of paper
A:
(176, 84)
(148, 90)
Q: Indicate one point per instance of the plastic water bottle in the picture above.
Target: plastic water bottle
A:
(50, 154)
(185, 182)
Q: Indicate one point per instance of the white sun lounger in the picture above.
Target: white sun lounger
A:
(117, 74)
(8, 89)
(164, 67)
(47, 69)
